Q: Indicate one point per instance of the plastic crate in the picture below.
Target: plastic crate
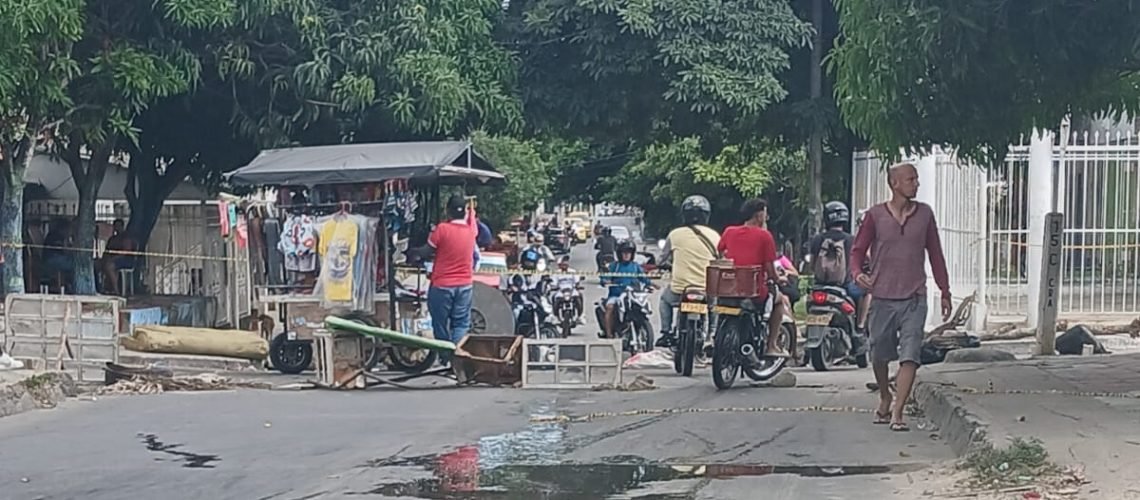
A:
(572, 363)
(339, 358)
(723, 279)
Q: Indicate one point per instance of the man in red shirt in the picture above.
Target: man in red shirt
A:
(899, 234)
(749, 244)
(452, 272)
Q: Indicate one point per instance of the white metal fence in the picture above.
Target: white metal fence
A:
(985, 219)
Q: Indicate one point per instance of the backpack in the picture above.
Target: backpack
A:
(831, 262)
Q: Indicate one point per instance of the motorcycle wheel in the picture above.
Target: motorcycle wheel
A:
(644, 341)
(820, 357)
(290, 356)
(677, 353)
(409, 360)
(770, 367)
(567, 328)
(548, 332)
(478, 322)
(689, 349)
(726, 353)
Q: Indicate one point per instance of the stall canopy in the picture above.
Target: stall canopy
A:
(447, 162)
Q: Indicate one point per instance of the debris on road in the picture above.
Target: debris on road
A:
(639, 383)
(142, 384)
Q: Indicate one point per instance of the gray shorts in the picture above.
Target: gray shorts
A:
(896, 329)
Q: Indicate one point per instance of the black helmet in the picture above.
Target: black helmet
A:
(606, 230)
(835, 213)
(529, 258)
(626, 246)
(696, 210)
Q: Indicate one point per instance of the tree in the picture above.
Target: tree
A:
(528, 174)
(663, 174)
(975, 74)
(35, 47)
(127, 60)
(627, 72)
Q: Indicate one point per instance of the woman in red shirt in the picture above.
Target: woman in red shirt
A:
(749, 244)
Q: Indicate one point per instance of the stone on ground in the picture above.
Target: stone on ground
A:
(978, 355)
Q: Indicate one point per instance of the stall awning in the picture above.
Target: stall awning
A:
(452, 162)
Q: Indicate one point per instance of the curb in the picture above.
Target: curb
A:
(37, 391)
(959, 427)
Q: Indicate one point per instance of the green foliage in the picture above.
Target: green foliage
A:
(621, 70)
(529, 166)
(321, 71)
(663, 174)
(978, 73)
(1022, 462)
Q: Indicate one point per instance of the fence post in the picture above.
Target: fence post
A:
(929, 191)
(1039, 191)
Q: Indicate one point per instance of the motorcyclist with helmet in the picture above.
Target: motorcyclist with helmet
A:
(627, 273)
(836, 219)
(538, 244)
(528, 278)
(688, 250)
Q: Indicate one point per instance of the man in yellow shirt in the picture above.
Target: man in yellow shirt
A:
(688, 250)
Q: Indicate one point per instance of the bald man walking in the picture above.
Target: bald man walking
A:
(899, 234)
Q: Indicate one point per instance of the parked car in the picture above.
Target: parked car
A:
(620, 232)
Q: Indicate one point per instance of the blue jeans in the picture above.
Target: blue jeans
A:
(854, 291)
(450, 310)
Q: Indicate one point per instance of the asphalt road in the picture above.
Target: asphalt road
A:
(473, 443)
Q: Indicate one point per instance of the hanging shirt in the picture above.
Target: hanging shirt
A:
(338, 251)
(298, 243)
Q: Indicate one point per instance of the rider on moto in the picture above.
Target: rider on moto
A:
(569, 277)
(526, 280)
(630, 273)
(606, 246)
(836, 218)
(538, 243)
(749, 244)
(688, 250)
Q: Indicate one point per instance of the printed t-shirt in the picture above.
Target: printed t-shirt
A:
(338, 251)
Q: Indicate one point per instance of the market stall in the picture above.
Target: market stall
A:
(331, 228)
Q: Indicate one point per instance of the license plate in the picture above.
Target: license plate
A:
(694, 307)
(731, 311)
(818, 319)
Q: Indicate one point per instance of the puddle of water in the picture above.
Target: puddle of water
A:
(189, 460)
(460, 475)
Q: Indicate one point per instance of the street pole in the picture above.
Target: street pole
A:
(1051, 257)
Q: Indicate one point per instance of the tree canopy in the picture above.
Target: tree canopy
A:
(977, 73)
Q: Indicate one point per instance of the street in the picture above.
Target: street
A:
(815, 441)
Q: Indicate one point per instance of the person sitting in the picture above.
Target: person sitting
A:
(749, 244)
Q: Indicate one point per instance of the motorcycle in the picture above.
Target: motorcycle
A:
(632, 321)
(740, 339)
(690, 330)
(532, 312)
(604, 260)
(565, 298)
(831, 336)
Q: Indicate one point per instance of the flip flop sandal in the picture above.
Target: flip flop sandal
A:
(900, 427)
(882, 418)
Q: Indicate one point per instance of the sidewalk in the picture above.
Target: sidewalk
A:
(1086, 411)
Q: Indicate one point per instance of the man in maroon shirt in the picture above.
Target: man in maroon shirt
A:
(899, 234)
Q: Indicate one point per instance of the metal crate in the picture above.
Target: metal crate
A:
(75, 333)
(339, 358)
(571, 363)
(489, 359)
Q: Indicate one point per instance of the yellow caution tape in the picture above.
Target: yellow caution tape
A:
(548, 272)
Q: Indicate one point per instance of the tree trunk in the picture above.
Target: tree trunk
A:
(88, 177)
(146, 193)
(815, 142)
(12, 167)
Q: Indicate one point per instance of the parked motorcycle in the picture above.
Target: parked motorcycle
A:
(740, 339)
(690, 330)
(565, 298)
(633, 311)
(831, 336)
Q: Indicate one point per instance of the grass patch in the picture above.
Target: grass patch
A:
(37, 381)
(1019, 464)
